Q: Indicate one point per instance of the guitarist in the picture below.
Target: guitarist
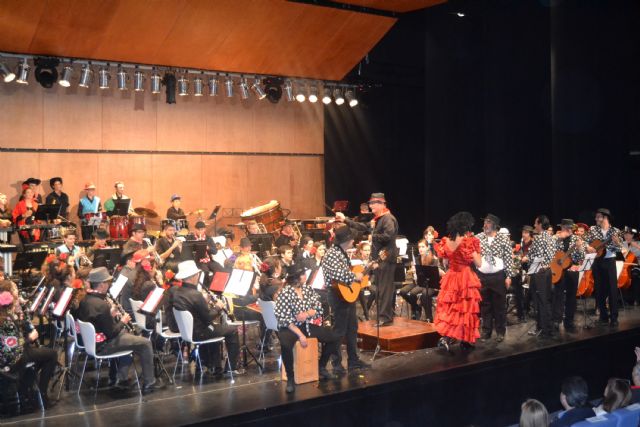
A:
(564, 292)
(337, 268)
(604, 267)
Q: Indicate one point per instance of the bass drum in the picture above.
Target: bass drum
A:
(270, 215)
(118, 227)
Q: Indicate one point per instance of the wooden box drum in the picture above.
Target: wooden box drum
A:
(270, 214)
(305, 362)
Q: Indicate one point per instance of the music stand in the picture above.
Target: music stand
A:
(261, 242)
(121, 207)
(47, 212)
(29, 260)
(428, 276)
(585, 266)
(107, 257)
(214, 217)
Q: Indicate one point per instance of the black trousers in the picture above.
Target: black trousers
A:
(87, 231)
(44, 359)
(330, 344)
(410, 293)
(426, 301)
(323, 294)
(635, 284)
(345, 325)
(493, 308)
(367, 300)
(564, 298)
(386, 290)
(210, 353)
(605, 280)
(541, 290)
(518, 295)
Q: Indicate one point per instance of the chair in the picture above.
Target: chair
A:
(140, 319)
(71, 326)
(629, 416)
(88, 333)
(167, 335)
(268, 311)
(184, 319)
(602, 421)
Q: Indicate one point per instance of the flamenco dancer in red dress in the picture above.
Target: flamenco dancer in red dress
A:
(458, 308)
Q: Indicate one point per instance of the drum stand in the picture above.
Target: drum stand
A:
(244, 348)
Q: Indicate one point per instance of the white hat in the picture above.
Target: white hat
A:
(187, 269)
(504, 231)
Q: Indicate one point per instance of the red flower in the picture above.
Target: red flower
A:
(11, 342)
(63, 257)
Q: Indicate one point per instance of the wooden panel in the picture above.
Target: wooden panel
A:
(271, 130)
(225, 181)
(177, 175)
(134, 170)
(183, 124)
(229, 126)
(19, 23)
(400, 6)
(307, 187)
(269, 178)
(129, 120)
(17, 167)
(22, 115)
(308, 128)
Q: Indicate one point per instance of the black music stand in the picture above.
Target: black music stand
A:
(261, 242)
(121, 207)
(107, 257)
(214, 217)
(47, 213)
(29, 260)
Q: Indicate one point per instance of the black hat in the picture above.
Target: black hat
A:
(566, 223)
(343, 234)
(138, 227)
(494, 219)
(100, 234)
(294, 272)
(53, 181)
(527, 228)
(604, 211)
(201, 224)
(35, 181)
(244, 242)
(377, 197)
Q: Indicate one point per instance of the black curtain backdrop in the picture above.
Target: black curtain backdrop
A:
(518, 108)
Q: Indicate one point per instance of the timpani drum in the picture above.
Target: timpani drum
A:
(270, 215)
(119, 227)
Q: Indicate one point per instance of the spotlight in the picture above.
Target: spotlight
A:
(460, 14)
(351, 97)
(197, 86)
(257, 89)
(65, 80)
(23, 72)
(85, 76)
(326, 97)
(228, 85)
(122, 78)
(170, 84)
(104, 77)
(214, 84)
(244, 88)
(300, 96)
(273, 88)
(138, 81)
(183, 86)
(313, 93)
(156, 81)
(288, 90)
(46, 73)
(337, 95)
(7, 75)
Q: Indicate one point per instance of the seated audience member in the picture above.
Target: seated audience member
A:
(573, 397)
(635, 377)
(617, 394)
(533, 414)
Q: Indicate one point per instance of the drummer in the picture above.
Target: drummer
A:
(89, 204)
(110, 204)
(175, 212)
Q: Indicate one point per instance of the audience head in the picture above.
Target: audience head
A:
(533, 414)
(574, 392)
(617, 394)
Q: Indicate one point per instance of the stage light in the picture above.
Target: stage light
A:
(273, 89)
(300, 96)
(122, 77)
(257, 89)
(214, 85)
(7, 75)
(23, 72)
(183, 86)
(313, 93)
(244, 88)
(228, 86)
(326, 97)
(46, 73)
(65, 79)
(169, 81)
(337, 95)
(155, 82)
(288, 90)
(85, 76)
(460, 14)
(138, 81)
(351, 97)
(197, 86)
(103, 78)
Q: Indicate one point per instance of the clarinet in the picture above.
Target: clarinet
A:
(115, 304)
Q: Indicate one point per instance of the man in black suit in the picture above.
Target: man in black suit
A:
(574, 397)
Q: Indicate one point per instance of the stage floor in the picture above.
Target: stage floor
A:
(256, 397)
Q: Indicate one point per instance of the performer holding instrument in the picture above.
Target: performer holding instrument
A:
(169, 248)
(23, 215)
(109, 204)
(631, 253)
(175, 212)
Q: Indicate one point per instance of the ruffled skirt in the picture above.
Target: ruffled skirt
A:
(457, 312)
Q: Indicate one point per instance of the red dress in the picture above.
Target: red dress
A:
(459, 298)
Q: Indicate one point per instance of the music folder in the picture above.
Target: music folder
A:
(152, 302)
(240, 282)
(428, 276)
(219, 282)
(63, 302)
(117, 286)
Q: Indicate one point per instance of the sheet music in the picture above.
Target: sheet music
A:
(37, 300)
(355, 262)
(587, 263)
(619, 268)
(239, 282)
(95, 221)
(63, 302)
(153, 299)
(116, 287)
(535, 265)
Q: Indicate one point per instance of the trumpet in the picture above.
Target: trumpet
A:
(156, 255)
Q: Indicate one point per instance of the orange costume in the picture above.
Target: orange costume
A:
(459, 298)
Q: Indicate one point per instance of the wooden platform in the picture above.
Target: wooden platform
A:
(403, 335)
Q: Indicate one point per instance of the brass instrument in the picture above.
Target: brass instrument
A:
(156, 255)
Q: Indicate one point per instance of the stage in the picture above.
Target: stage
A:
(483, 387)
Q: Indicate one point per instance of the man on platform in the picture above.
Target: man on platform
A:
(110, 204)
(57, 197)
(495, 277)
(336, 267)
(175, 211)
(89, 204)
(384, 230)
(564, 292)
(33, 184)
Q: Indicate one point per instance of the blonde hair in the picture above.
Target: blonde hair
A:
(533, 414)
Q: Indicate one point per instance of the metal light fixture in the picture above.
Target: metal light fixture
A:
(103, 78)
(288, 90)
(351, 97)
(65, 79)
(7, 75)
(300, 96)
(138, 81)
(244, 88)
(23, 72)
(214, 84)
(183, 86)
(326, 96)
(228, 86)
(85, 76)
(122, 77)
(257, 89)
(313, 93)
(197, 86)
(155, 82)
(337, 95)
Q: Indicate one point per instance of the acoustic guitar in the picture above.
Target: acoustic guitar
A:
(560, 262)
(350, 293)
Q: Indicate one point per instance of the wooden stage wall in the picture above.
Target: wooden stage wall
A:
(231, 152)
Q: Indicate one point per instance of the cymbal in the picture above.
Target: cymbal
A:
(149, 213)
(240, 224)
(196, 212)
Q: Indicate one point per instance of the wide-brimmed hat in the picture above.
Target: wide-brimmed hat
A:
(244, 242)
(494, 219)
(99, 275)
(35, 181)
(604, 211)
(527, 228)
(138, 227)
(187, 269)
(89, 186)
(566, 223)
(377, 198)
(54, 180)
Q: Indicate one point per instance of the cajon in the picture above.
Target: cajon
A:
(305, 362)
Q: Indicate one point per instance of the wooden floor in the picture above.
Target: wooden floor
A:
(402, 335)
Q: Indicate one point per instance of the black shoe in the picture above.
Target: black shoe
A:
(444, 343)
(156, 385)
(466, 346)
(614, 324)
(325, 375)
(358, 364)
(500, 338)
(338, 369)
(546, 335)
(291, 386)
(384, 323)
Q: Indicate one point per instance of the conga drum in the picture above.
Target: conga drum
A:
(118, 227)
(270, 215)
(136, 220)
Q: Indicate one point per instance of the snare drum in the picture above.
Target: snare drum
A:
(119, 227)
(182, 224)
(88, 217)
(270, 214)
